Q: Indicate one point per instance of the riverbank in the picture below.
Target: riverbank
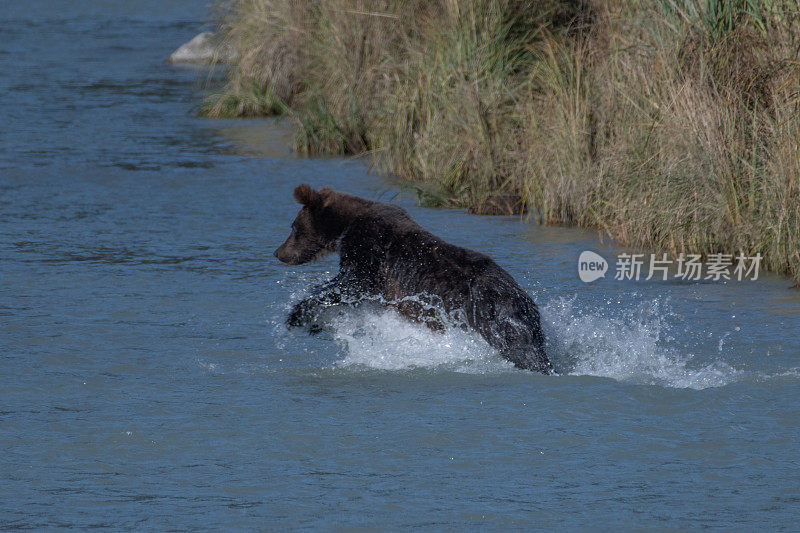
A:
(673, 125)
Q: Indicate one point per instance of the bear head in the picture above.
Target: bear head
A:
(317, 229)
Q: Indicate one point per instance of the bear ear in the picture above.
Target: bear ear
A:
(305, 195)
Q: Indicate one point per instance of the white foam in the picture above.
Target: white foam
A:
(382, 339)
(632, 346)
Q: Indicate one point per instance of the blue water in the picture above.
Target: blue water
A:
(147, 381)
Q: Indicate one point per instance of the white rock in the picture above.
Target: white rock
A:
(199, 50)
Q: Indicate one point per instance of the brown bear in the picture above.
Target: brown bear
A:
(385, 254)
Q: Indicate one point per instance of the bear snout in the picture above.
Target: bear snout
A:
(288, 255)
(281, 254)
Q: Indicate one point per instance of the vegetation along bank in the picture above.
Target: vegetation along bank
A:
(672, 124)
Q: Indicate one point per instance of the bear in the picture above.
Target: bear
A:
(385, 254)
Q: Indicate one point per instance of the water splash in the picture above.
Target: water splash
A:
(631, 344)
(383, 339)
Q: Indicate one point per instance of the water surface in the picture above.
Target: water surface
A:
(147, 380)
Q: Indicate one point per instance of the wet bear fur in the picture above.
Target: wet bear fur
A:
(384, 253)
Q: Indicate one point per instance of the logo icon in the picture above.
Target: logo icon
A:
(591, 266)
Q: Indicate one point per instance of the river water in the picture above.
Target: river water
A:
(147, 381)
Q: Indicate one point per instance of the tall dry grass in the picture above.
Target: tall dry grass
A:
(673, 125)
